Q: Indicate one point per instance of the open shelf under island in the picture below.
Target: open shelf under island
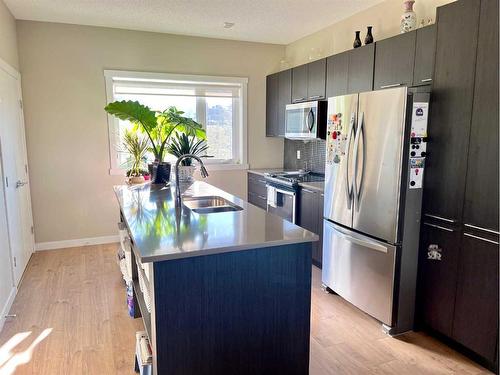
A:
(230, 291)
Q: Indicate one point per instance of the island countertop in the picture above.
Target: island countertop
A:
(161, 231)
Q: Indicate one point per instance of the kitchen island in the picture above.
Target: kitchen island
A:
(229, 283)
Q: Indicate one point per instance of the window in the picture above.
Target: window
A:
(218, 103)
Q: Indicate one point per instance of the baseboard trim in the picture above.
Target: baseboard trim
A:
(7, 306)
(42, 246)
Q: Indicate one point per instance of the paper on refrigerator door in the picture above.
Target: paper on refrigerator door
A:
(419, 119)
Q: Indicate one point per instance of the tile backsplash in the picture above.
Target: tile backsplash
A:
(312, 155)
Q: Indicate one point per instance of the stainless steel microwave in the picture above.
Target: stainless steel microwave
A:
(306, 120)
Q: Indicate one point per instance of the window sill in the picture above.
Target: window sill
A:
(210, 167)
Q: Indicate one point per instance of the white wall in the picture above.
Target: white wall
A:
(67, 135)
(8, 38)
(384, 17)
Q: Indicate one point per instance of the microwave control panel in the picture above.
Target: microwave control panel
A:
(418, 143)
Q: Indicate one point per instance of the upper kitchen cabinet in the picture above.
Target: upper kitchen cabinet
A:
(284, 98)
(308, 81)
(451, 108)
(424, 55)
(299, 83)
(360, 75)
(316, 80)
(337, 70)
(272, 89)
(394, 60)
(481, 193)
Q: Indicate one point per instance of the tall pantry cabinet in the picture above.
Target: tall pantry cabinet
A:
(458, 269)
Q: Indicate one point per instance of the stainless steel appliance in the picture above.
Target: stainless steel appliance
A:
(305, 120)
(283, 189)
(373, 192)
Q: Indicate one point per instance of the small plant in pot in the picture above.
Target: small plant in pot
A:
(183, 144)
(137, 148)
(159, 127)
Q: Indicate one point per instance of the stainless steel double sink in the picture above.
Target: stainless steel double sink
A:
(209, 204)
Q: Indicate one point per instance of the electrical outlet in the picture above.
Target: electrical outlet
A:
(298, 154)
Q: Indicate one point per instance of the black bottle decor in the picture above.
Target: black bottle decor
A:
(369, 36)
(357, 41)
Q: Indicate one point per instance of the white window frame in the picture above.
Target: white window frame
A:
(240, 145)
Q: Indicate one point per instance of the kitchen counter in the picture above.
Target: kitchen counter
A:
(318, 186)
(161, 231)
(225, 292)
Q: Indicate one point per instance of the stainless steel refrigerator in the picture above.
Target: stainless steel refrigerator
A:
(376, 144)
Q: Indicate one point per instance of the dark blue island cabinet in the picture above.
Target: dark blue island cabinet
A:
(228, 293)
(239, 313)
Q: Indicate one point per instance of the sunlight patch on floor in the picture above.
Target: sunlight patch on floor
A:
(9, 360)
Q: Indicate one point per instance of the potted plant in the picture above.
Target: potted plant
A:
(136, 147)
(183, 144)
(159, 127)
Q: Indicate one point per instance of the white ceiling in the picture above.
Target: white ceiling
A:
(271, 21)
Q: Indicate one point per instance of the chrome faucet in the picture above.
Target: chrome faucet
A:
(203, 171)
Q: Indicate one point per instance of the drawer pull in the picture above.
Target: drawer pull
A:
(440, 227)
(441, 218)
(482, 229)
(481, 238)
(389, 86)
(426, 80)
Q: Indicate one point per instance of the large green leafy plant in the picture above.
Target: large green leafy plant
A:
(159, 126)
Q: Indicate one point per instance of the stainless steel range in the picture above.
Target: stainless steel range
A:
(283, 189)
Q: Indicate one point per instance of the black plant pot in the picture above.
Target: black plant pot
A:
(160, 172)
(357, 41)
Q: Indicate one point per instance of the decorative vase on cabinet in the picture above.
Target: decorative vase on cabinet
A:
(369, 35)
(409, 17)
(357, 40)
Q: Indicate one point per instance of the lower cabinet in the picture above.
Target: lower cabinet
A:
(475, 324)
(310, 217)
(257, 190)
(458, 287)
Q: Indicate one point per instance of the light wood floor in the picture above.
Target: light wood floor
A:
(72, 319)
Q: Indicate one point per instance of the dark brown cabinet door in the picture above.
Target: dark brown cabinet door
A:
(318, 249)
(424, 55)
(272, 82)
(438, 277)
(360, 75)
(481, 193)
(257, 190)
(451, 108)
(284, 98)
(308, 217)
(337, 74)
(394, 59)
(476, 309)
(316, 79)
(299, 83)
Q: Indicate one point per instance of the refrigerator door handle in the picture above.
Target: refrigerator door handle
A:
(359, 239)
(348, 187)
(360, 133)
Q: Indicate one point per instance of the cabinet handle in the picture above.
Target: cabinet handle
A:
(316, 97)
(426, 80)
(298, 99)
(262, 181)
(441, 218)
(440, 227)
(308, 191)
(393, 85)
(481, 238)
(482, 229)
(261, 197)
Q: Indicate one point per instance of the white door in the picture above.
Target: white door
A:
(15, 171)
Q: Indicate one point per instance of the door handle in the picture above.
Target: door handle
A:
(440, 227)
(426, 80)
(310, 115)
(20, 183)
(348, 187)
(316, 97)
(480, 238)
(360, 241)
(481, 228)
(359, 133)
